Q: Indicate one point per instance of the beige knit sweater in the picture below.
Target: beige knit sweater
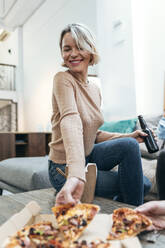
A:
(75, 121)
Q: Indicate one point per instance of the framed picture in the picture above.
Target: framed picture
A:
(8, 116)
(7, 77)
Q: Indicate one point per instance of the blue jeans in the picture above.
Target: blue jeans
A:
(127, 185)
(160, 175)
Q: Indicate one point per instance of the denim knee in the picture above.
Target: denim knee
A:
(131, 145)
(133, 142)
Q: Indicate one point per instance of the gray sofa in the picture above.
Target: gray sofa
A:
(31, 173)
(24, 174)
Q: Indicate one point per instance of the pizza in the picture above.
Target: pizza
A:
(92, 244)
(36, 236)
(127, 223)
(72, 219)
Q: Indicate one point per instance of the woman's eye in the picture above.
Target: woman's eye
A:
(66, 49)
(81, 49)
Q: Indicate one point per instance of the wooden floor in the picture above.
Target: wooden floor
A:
(13, 203)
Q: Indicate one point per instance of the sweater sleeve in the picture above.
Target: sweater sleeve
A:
(102, 136)
(70, 125)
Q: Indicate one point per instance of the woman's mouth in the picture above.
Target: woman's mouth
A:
(75, 62)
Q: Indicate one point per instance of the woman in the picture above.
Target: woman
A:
(160, 175)
(76, 139)
(160, 169)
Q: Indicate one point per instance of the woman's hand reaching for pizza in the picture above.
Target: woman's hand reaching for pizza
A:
(155, 210)
(71, 192)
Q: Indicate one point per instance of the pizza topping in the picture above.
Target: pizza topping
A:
(22, 243)
(84, 222)
(63, 212)
(27, 242)
(73, 221)
(64, 222)
(127, 222)
(64, 228)
(93, 244)
(31, 230)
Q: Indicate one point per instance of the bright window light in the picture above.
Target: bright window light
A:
(1, 31)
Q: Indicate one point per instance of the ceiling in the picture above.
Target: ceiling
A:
(14, 13)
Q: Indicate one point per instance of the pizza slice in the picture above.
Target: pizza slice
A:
(73, 219)
(127, 223)
(37, 235)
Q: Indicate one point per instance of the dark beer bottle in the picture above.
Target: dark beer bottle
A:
(149, 140)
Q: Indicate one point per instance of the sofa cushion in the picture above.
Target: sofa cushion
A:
(27, 173)
(149, 170)
(123, 126)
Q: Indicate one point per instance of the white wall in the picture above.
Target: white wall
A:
(149, 54)
(12, 44)
(42, 56)
(116, 68)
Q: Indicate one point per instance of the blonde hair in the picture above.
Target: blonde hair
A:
(83, 38)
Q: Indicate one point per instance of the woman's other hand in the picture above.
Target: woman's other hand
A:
(155, 210)
(71, 192)
(138, 135)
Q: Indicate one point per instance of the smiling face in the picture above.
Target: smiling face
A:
(76, 59)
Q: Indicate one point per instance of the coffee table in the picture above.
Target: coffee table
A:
(11, 204)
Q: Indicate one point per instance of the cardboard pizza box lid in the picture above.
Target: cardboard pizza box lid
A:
(89, 190)
(131, 243)
(19, 220)
(97, 229)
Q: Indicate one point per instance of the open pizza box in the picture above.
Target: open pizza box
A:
(97, 229)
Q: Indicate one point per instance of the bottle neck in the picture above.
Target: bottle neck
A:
(143, 124)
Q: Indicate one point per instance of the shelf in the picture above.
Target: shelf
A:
(24, 144)
(20, 143)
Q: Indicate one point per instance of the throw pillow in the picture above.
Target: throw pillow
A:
(123, 126)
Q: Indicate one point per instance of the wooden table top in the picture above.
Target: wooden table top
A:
(11, 204)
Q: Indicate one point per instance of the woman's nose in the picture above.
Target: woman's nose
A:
(74, 52)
